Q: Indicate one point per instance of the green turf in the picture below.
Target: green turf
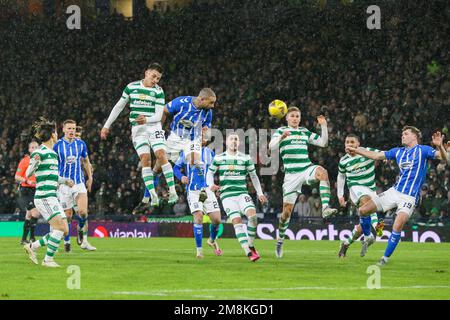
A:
(166, 268)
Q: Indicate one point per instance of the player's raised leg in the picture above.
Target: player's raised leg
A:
(365, 211)
(321, 174)
(147, 175)
(167, 170)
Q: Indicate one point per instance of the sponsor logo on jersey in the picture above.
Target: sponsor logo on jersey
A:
(71, 159)
(231, 173)
(297, 141)
(406, 165)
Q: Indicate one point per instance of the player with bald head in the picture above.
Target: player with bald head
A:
(192, 118)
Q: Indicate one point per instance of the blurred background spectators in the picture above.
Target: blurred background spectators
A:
(367, 82)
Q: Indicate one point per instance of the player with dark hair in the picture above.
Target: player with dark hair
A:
(44, 165)
(147, 101)
(359, 173)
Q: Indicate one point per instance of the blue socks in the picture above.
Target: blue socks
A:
(81, 222)
(366, 225)
(214, 230)
(394, 239)
(198, 234)
(67, 238)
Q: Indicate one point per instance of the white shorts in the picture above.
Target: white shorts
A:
(145, 137)
(67, 195)
(293, 183)
(395, 199)
(237, 206)
(175, 145)
(210, 204)
(49, 208)
(356, 192)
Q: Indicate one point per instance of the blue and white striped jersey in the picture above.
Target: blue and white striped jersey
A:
(194, 181)
(69, 159)
(188, 120)
(413, 167)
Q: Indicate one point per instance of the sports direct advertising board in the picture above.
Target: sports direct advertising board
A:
(265, 231)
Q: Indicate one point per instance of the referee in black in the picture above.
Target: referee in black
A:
(27, 189)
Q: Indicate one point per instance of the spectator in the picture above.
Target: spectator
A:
(302, 208)
(367, 85)
(181, 208)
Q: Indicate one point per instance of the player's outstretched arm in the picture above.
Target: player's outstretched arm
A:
(340, 188)
(375, 155)
(118, 108)
(322, 140)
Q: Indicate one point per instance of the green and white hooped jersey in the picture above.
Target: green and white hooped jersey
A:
(233, 170)
(46, 173)
(359, 170)
(294, 148)
(143, 100)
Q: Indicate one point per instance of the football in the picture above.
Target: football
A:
(278, 109)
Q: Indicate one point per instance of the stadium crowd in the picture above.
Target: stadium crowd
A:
(368, 82)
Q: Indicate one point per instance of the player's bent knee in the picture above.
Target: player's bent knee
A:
(215, 218)
(198, 217)
(363, 201)
(145, 160)
(236, 221)
(161, 155)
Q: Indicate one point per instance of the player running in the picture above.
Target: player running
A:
(73, 161)
(360, 175)
(293, 142)
(192, 117)
(233, 167)
(27, 189)
(44, 165)
(412, 160)
(147, 105)
(210, 206)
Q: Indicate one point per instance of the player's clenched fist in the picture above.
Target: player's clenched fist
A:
(141, 119)
(285, 134)
(104, 133)
(322, 120)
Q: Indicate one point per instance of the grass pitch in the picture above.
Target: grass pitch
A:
(166, 268)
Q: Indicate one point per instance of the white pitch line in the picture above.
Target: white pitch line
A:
(271, 289)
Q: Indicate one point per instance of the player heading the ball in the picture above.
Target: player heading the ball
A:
(293, 141)
(146, 105)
